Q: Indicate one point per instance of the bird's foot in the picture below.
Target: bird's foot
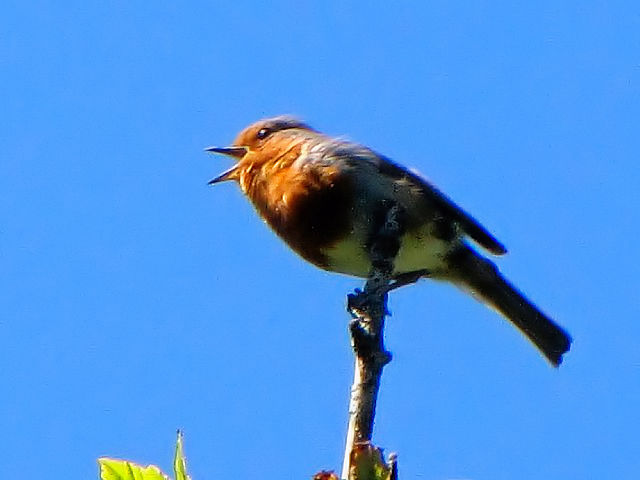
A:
(408, 278)
(376, 290)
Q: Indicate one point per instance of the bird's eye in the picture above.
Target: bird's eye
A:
(263, 133)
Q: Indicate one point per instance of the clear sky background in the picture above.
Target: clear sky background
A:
(135, 299)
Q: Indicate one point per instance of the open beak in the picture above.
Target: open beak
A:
(231, 174)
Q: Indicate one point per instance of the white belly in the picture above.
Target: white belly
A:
(418, 251)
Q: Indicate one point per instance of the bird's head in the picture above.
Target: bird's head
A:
(260, 142)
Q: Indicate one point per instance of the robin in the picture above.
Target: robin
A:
(326, 198)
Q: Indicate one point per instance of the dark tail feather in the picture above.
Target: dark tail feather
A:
(482, 278)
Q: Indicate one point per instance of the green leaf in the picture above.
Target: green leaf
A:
(113, 469)
(179, 462)
(367, 463)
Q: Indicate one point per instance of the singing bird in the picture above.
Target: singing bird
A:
(325, 197)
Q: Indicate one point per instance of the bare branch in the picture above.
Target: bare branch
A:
(368, 309)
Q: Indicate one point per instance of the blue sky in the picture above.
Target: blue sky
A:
(136, 300)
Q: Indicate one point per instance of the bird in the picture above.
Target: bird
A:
(326, 196)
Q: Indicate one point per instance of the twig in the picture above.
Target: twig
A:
(368, 309)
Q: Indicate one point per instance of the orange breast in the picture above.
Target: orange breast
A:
(308, 208)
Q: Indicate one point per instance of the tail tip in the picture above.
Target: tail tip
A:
(556, 357)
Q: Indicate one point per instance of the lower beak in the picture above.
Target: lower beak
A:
(230, 174)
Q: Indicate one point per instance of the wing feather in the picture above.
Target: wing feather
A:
(448, 207)
(353, 153)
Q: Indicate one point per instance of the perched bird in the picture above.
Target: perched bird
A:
(325, 197)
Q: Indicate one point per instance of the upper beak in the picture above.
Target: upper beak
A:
(232, 173)
(236, 152)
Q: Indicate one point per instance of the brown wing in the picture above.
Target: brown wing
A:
(449, 208)
(355, 153)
